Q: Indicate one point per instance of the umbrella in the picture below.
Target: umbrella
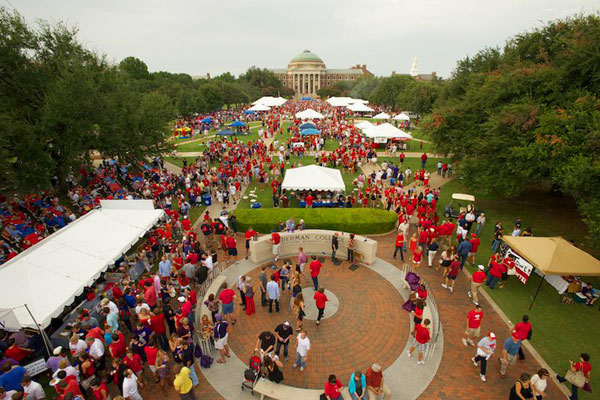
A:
(248, 112)
(237, 123)
(226, 132)
(307, 125)
(306, 98)
(207, 120)
(310, 131)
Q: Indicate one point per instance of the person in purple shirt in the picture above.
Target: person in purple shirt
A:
(6, 360)
(53, 361)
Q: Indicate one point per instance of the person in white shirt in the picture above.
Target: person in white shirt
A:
(485, 349)
(111, 305)
(77, 346)
(302, 349)
(539, 382)
(64, 365)
(4, 395)
(130, 386)
(32, 389)
(96, 350)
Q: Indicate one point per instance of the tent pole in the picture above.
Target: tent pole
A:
(537, 291)
(42, 332)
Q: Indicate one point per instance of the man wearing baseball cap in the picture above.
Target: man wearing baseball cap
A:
(476, 281)
(283, 334)
(509, 353)
(485, 349)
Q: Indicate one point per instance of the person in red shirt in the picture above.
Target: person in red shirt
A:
(226, 299)
(416, 259)
(422, 337)
(150, 294)
(248, 235)
(474, 319)
(118, 347)
(17, 352)
(315, 268)
(309, 200)
(584, 366)
(231, 245)
(452, 274)
(159, 328)
(333, 388)
(474, 246)
(509, 264)
(523, 330)
(320, 300)
(134, 362)
(399, 245)
(476, 281)
(275, 239)
(68, 386)
(99, 389)
(494, 274)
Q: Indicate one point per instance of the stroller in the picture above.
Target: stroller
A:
(252, 373)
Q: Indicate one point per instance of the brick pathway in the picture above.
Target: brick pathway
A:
(371, 327)
(457, 378)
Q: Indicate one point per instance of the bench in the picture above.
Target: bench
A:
(277, 391)
(214, 288)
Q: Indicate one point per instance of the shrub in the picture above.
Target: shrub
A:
(356, 220)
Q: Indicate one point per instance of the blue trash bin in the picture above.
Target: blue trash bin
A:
(206, 199)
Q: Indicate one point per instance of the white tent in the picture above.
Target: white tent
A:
(309, 114)
(355, 101)
(402, 117)
(339, 101)
(364, 125)
(359, 107)
(262, 100)
(49, 275)
(259, 107)
(387, 131)
(313, 177)
(382, 115)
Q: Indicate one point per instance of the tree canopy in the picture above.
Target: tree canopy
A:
(528, 114)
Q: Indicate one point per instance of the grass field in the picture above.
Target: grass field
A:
(560, 332)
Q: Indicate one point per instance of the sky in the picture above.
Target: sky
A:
(199, 37)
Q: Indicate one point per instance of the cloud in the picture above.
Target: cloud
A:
(203, 36)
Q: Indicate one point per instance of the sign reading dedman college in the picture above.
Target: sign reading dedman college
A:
(307, 238)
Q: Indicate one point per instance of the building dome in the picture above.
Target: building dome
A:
(306, 55)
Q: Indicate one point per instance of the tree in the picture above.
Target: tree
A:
(135, 67)
(419, 96)
(387, 89)
(59, 101)
(528, 115)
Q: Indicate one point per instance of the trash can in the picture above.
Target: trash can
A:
(206, 199)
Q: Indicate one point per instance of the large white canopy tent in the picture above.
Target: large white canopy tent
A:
(344, 101)
(359, 107)
(309, 113)
(387, 131)
(364, 125)
(49, 275)
(382, 115)
(259, 107)
(402, 117)
(313, 177)
(270, 101)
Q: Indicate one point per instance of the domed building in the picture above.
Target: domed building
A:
(306, 73)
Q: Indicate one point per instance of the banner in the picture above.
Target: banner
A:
(522, 267)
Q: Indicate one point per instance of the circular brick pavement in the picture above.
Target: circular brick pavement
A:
(370, 326)
(312, 312)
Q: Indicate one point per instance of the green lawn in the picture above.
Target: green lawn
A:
(413, 162)
(560, 332)
(357, 220)
(179, 160)
(193, 146)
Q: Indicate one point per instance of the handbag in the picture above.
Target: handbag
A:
(198, 351)
(575, 378)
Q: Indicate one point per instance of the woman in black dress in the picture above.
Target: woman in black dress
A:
(273, 369)
(522, 389)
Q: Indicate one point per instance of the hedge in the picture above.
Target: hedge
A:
(356, 220)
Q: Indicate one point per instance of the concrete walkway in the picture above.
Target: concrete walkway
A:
(404, 378)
